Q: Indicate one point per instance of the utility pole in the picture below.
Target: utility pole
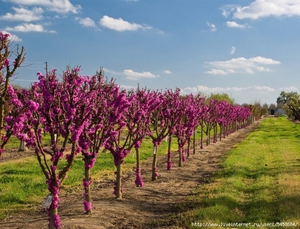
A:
(46, 68)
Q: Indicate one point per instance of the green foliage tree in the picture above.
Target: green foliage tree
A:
(220, 97)
(291, 104)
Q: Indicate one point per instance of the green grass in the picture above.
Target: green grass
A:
(22, 184)
(14, 142)
(259, 182)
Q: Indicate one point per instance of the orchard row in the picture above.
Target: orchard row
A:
(83, 115)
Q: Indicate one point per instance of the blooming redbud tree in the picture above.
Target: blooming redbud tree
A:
(159, 128)
(184, 129)
(209, 119)
(119, 142)
(98, 129)
(170, 112)
(194, 114)
(143, 103)
(199, 111)
(7, 70)
(224, 118)
(61, 110)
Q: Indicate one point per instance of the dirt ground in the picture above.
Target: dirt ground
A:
(147, 207)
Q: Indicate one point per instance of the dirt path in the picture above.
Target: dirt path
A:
(148, 207)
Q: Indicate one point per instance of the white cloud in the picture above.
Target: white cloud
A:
(288, 88)
(111, 72)
(227, 9)
(225, 13)
(138, 75)
(86, 22)
(263, 60)
(59, 6)
(12, 37)
(233, 49)
(23, 14)
(233, 24)
(120, 25)
(216, 72)
(240, 65)
(262, 88)
(213, 28)
(205, 89)
(29, 27)
(268, 8)
(167, 72)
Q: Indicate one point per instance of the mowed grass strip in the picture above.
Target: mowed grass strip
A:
(259, 183)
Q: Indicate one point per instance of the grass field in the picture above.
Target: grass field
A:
(258, 186)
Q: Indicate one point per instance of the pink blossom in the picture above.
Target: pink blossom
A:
(33, 106)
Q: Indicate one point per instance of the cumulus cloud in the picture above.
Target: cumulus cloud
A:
(86, 22)
(267, 8)
(240, 65)
(29, 27)
(132, 75)
(121, 25)
(59, 6)
(233, 24)
(23, 14)
(213, 28)
(167, 72)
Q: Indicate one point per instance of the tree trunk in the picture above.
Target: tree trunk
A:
(118, 180)
(169, 166)
(138, 180)
(154, 162)
(180, 156)
(54, 219)
(214, 133)
(53, 214)
(208, 138)
(2, 101)
(138, 163)
(188, 148)
(194, 142)
(201, 137)
(87, 189)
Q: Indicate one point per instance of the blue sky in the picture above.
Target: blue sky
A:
(248, 49)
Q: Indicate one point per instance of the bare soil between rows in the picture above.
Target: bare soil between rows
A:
(149, 207)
